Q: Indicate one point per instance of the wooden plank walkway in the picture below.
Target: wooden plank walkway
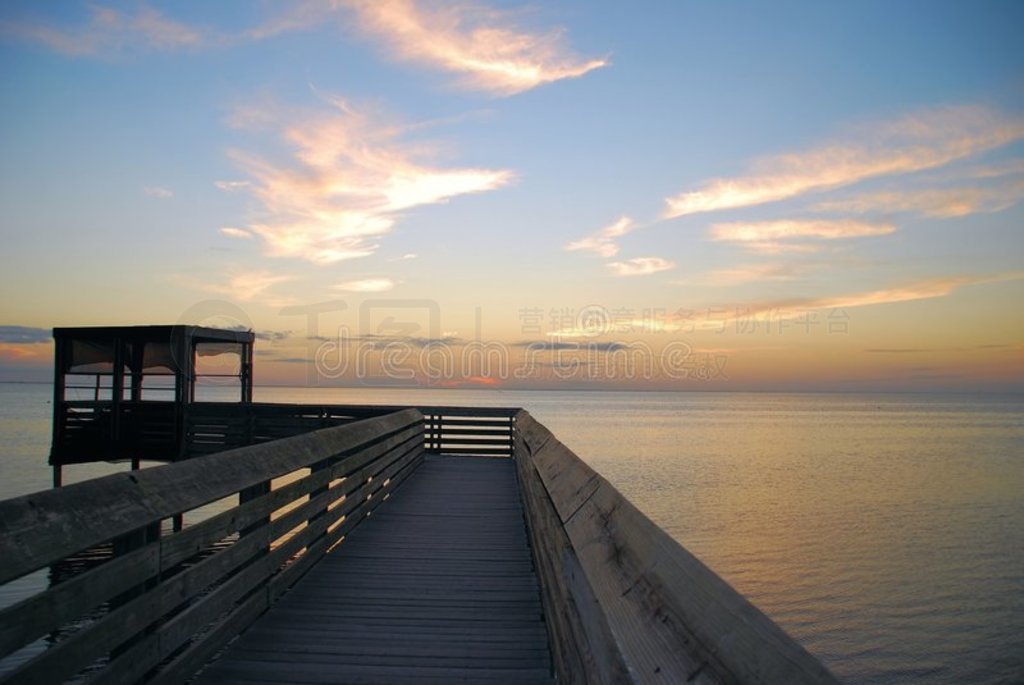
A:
(438, 586)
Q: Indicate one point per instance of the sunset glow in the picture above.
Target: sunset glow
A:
(681, 197)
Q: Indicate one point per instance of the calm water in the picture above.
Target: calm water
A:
(886, 533)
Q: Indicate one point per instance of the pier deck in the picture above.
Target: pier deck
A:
(356, 553)
(437, 586)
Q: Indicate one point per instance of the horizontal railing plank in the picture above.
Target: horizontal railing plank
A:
(203, 578)
(40, 528)
(46, 612)
(502, 441)
(668, 616)
(504, 424)
(498, 451)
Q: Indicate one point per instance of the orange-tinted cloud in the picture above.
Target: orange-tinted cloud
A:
(918, 290)
(926, 140)
(233, 232)
(771, 231)
(110, 31)
(793, 236)
(26, 353)
(640, 266)
(367, 285)
(472, 40)
(246, 286)
(942, 203)
(749, 273)
(602, 242)
(348, 179)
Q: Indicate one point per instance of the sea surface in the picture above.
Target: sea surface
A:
(884, 532)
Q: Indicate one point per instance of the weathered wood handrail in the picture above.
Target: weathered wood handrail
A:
(625, 602)
(165, 601)
(94, 430)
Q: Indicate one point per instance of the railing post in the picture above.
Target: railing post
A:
(123, 545)
(434, 430)
(247, 495)
(316, 492)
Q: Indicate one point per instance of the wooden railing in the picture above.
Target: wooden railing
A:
(133, 599)
(626, 603)
(216, 426)
(478, 431)
(92, 431)
(154, 603)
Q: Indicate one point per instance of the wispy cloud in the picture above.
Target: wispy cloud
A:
(920, 290)
(640, 266)
(246, 286)
(557, 345)
(24, 335)
(26, 354)
(924, 140)
(760, 233)
(236, 232)
(473, 40)
(347, 181)
(273, 336)
(748, 273)
(158, 192)
(941, 203)
(602, 242)
(917, 290)
(109, 31)
(231, 185)
(1009, 167)
(298, 15)
(367, 285)
(775, 247)
(480, 43)
(791, 309)
(607, 327)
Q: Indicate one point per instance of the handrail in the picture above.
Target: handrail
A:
(476, 431)
(91, 430)
(157, 589)
(625, 602)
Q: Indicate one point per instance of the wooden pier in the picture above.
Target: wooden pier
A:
(431, 544)
(436, 587)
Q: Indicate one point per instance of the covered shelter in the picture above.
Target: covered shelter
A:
(124, 392)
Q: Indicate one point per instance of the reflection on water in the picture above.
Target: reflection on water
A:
(886, 533)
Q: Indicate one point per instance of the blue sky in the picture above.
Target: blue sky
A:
(690, 171)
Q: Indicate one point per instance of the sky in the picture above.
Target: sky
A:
(656, 195)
